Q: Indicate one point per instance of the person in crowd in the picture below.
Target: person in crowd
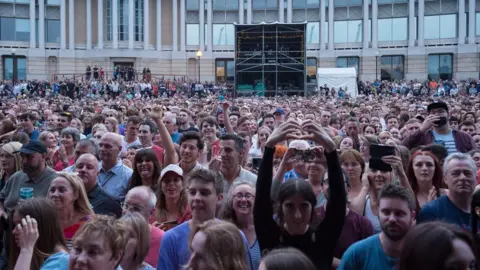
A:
(436, 129)
(446, 247)
(38, 241)
(296, 201)
(142, 200)
(172, 207)
(262, 135)
(147, 132)
(113, 176)
(64, 120)
(238, 209)
(208, 129)
(146, 170)
(111, 123)
(33, 156)
(131, 132)
(10, 161)
(170, 123)
(325, 118)
(208, 250)
(85, 146)
(86, 167)
(68, 194)
(27, 121)
(48, 138)
(299, 170)
(354, 166)
(286, 259)
(468, 126)
(344, 143)
(205, 192)
(438, 150)
(184, 125)
(65, 155)
(426, 178)
(381, 251)
(460, 176)
(107, 235)
(191, 148)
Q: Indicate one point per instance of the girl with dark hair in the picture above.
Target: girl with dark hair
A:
(446, 247)
(425, 175)
(146, 170)
(286, 259)
(296, 201)
(38, 241)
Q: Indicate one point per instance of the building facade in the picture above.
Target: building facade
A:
(388, 39)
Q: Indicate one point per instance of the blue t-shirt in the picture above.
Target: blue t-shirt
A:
(56, 261)
(446, 140)
(367, 254)
(442, 209)
(175, 251)
(176, 137)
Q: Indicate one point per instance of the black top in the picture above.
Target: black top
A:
(104, 204)
(317, 243)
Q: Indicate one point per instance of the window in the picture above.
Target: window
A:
(392, 29)
(52, 31)
(192, 4)
(440, 66)
(223, 34)
(14, 67)
(344, 62)
(193, 32)
(347, 31)
(312, 70)
(14, 29)
(477, 24)
(392, 67)
(264, 4)
(224, 70)
(301, 4)
(225, 4)
(440, 26)
(53, 2)
(122, 19)
(346, 3)
(313, 32)
(138, 24)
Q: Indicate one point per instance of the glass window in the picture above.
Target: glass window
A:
(326, 33)
(14, 68)
(347, 31)
(230, 34)
(344, 62)
(21, 68)
(392, 29)
(223, 34)
(138, 25)
(299, 4)
(392, 67)
(231, 4)
(22, 29)
(220, 71)
(122, 19)
(193, 32)
(270, 4)
(477, 24)
(230, 71)
(440, 26)
(192, 4)
(6, 30)
(224, 70)
(313, 32)
(311, 70)
(52, 31)
(22, 1)
(440, 66)
(258, 4)
(53, 2)
(8, 68)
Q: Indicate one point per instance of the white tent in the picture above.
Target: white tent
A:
(338, 77)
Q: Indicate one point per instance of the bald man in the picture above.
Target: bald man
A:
(113, 176)
(87, 168)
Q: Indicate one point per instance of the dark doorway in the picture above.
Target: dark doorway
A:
(125, 71)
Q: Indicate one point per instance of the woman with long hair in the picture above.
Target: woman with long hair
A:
(138, 243)
(10, 161)
(146, 170)
(38, 241)
(354, 166)
(217, 245)
(50, 141)
(238, 209)
(65, 155)
(296, 202)
(172, 206)
(426, 178)
(112, 124)
(442, 247)
(108, 235)
(70, 198)
(262, 137)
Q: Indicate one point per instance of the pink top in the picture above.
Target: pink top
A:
(155, 239)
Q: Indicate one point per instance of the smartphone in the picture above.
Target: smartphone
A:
(376, 153)
(256, 163)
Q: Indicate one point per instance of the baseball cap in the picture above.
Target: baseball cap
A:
(33, 147)
(279, 111)
(437, 105)
(172, 168)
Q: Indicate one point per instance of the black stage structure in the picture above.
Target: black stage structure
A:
(270, 59)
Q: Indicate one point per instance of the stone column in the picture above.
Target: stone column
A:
(159, 25)
(331, 8)
(421, 22)
(89, 24)
(471, 22)
(374, 24)
(201, 26)
(249, 11)
(289, 11)
(71, 25)
(462, 22)
(33, 37)
(182, 25)
(322, 25)
(281, 11)
(209, 25)
(175, 26)
(366, 41)
(100, 24)
(115, 24)
(411, 23)
(131, 22)
(241, 10)
(146, 24)
(63, 25)
(41, 24)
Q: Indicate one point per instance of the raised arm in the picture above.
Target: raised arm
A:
(226, 118)
(167, 143)
(280, 173)
(266, 228)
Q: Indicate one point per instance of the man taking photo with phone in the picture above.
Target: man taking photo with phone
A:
(436, 130)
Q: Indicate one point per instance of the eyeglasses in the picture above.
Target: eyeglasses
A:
(240, 196)
(132, 208)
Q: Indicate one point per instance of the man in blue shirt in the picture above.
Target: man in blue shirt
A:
(205, 191)
(396, 211)
(27, 120)
(460, 176)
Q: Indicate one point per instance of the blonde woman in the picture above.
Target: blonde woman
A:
(70, 198)
(138, 243)
(76, 123)
(112, 124)
(262, 136)
(208, 247)
(10, 161)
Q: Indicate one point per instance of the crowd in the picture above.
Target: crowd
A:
(377, 181)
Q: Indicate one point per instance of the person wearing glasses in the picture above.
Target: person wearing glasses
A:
(238, 209)
(142, 200)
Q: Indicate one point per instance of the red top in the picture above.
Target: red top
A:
(69, 232)
(159, 152)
